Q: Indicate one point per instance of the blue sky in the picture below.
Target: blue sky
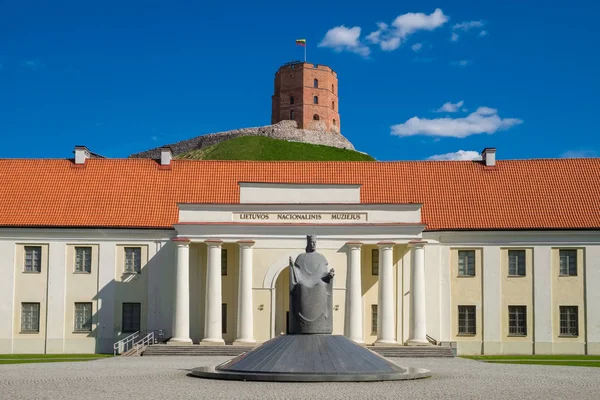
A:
(416, 79)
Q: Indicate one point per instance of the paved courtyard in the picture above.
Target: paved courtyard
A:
(166, 378)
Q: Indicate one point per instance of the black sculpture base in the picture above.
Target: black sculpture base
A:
(310, 358)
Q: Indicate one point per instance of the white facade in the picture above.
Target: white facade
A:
(384, 260)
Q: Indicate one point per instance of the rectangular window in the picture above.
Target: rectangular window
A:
(466, 320)
(568, 262)
(516, 262)
(83, 259)
(517, 320)
(374, 319)
(375, 262)
(83, 317)
(223, 262)
(132, 315)
(224, 318)
(569, 321)
(33, 259)
(30, 317)
(133, 260)
(466, 262)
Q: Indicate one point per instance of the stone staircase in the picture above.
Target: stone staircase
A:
(228, 350)
(413, 351)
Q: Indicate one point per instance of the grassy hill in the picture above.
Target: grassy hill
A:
(261, 148)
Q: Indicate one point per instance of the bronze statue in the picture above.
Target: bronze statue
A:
(311, 283)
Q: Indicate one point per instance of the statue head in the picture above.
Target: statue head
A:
(311, 243)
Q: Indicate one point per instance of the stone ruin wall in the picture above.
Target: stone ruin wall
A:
(284, 130)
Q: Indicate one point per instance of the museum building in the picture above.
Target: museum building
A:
(496, 256)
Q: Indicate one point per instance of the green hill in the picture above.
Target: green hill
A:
(261, 148)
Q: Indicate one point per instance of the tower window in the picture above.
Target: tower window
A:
(332, 91)
(291, 99)
(334, 122)
(316, 117)
(292, 114)
(316, 83)
(316, 99)
(333, 105)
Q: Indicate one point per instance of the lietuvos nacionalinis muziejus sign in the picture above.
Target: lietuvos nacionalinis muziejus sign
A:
(299, 217)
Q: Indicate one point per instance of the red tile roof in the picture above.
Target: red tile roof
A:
(520, 194)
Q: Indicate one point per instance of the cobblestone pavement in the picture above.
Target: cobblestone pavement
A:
(166, 378)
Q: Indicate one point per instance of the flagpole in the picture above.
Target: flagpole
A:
(304, 51)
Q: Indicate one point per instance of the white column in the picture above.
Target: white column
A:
(213, 333)
(419, 312)
(181, 316)
(386, 305)
(354, 310)
(245, 310)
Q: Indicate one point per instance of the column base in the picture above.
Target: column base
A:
(180, 341)
(244, 342)
(417, 342)
(212, 342)
(384, 342)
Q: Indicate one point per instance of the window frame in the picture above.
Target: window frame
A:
(562, 273)
(35, 320)
(291, 99)
(36, 269)
(223, 318)
(375, 262)
(374, 316)
(83, 328)
(464, 310)
(566, 331)
(316, 99)
(224, 263)
(84, 271)
(315, 83)
(466, 269)
(292, 116)
(517, 320)
(136, 269)
(516, 273)
(139, 322)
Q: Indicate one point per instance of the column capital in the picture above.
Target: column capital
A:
(181, 241)
(385, 245)
(246, 243)
(354, 245)
(417, 243)
(213, 242)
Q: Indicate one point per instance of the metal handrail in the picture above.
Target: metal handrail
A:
(145, 341)
(431, 340)
(125, 344)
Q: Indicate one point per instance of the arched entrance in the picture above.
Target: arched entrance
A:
(282, 302)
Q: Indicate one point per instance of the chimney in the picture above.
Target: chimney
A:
(488, 156)
(166, 155)
(81, 154)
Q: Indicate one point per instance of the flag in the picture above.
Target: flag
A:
(301, 42)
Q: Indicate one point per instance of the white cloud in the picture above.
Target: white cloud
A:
(451, 107)
(391, 37)
(466, 27)
(461, 63)
(483, 120)
(32, 64)
(579, 154)
(461, 155)
(417, 47)
(341, 38)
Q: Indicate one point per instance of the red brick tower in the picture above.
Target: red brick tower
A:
(307, 93)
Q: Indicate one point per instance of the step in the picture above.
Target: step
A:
(229, 350)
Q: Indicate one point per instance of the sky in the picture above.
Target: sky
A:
(417, 80)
